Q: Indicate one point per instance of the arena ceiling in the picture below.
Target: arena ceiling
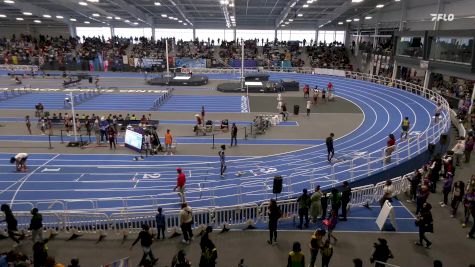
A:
(241, 14)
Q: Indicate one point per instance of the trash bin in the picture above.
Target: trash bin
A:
(296, 109)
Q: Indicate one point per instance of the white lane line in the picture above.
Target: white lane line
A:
(28, 176)
(77, 180)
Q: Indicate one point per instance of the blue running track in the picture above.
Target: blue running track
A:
(109, 182)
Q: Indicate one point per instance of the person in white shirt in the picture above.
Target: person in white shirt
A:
(388, 191)
(309, 106)
(438, 110)
(186, 221)
(20, 161)
(146, 143)
(458, 151)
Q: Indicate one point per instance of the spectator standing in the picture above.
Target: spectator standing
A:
(234, 131)
(111, 136)
(468, 148)
(415, 179)
(457, 197)
(327, 253)
(331, 224)
(472, 211)
(12, 224)
(315, 245)
(43, 126)
(203, 113)
(205, 238)
(40, 254)
(316, 204)
(186, 220)
(296, 257)
(438, 110)
(309, 107)
(161, 223)
(209, 255)
(390, 147)
(435, 173)
(388, 192)
(180, 184)
(345, 200)
(425, 223)
(147, 143)
(168, 143)
(381, 253)
(180, 260)
(468, 204)
(103, 124)
(336, 200)
(222, 160)
(447, 188)
(145, 238)
(274, 214)
(306, 91)
(324, 201)
(36, 226)
(458, 151)
(304, 203)
(28, 124)
(330, 149)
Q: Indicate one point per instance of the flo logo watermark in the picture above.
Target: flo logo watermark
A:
(442, 17)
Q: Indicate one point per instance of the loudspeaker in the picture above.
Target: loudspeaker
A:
(431, 148)
(443, 139)
(277, 185)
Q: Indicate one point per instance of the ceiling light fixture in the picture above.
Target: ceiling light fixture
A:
(37, 21)
(73, 19)
(380, 6)
(96, 15)
(356, 1)
(305, 6)
(93, 1)
(59, 17)
(136, 23)
(3, 16)
(348, 20)
(300, 15)
(19, 19)
(180, 21)
(157, 4)
(87, 22)
(27, 13)
(368, 17)
(82, 3)
(185, 24)
(126, 21)
(164, 15)
(356, 19)
(9, 1)
(340, 23)
(47, 16)
(109, 17)
(117, 18)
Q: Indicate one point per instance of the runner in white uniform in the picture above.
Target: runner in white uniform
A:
(20, 160)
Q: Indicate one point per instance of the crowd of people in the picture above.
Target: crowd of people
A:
(332, 56)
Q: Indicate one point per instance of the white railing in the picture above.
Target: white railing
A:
(131, 212)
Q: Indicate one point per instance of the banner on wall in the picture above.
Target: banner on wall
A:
(248, 63)
(149, 62)
(331, 72)
(190, 63)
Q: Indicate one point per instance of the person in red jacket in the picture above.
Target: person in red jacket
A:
(330, 87)
(180, 184)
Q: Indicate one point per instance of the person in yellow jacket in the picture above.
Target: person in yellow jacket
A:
(296, 257)
(405, 125)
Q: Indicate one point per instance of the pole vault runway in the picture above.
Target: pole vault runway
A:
(110, 183)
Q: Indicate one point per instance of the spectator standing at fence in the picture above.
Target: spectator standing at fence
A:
(49, 125)
(222, 159)
(12, 224)
(296, 257)
(97, 130)
(381, 253)
(388, 193)
(180, 184)
(335, 200)
(324, 201)
(345, 200)
(422, 196)
(425, 223)
(330, 149)
(304, 204)
(186, 220)
(438, 110)
(168, 143)
(457, 197)
(161, 223)
(327, 253)
(43, 126)
(234, 131)
(145, 238)
(390, 147)
(414, 180)
(315, 245)
(468, 148)
(36, 226)
(405, 125)
(104, 124)
(435, 173)
(274, 214)
(316, 204)
(28, 124)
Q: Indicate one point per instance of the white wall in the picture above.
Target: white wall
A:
(8, 31)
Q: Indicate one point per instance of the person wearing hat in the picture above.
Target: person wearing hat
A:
(222, 159)
(20, 161)
(180, 184)
(381, 253)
